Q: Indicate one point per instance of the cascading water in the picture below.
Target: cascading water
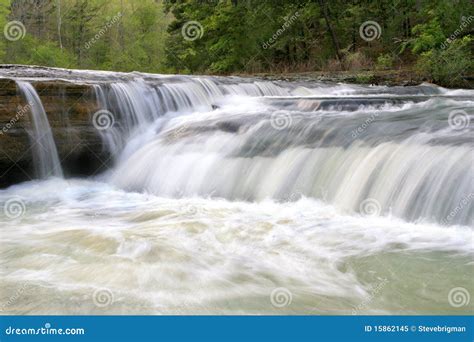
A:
(45, 154)
(225, 190)
(410, 163)
(138, 104)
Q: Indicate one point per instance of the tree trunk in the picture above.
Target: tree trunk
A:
(335, 42)
(59, 24)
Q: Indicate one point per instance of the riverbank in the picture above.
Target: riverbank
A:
(401, 77)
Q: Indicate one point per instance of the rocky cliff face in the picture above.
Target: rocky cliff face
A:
(69, 100)
(69, 107)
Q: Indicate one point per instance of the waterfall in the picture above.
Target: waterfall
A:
(234, 188)
(388, 151)
(393, 155)
(45, 154)
(137, 104)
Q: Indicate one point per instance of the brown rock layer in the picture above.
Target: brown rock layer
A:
(69, 107)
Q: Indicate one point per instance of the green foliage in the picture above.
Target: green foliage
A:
(4, 13)
(356, 61)
(385, 61)
(49, 54)
(123, 35)
(364, 78)
(252, 36)
(241, 36)
(443, 60)
(31, 51)
(429, 36)
(447, 65)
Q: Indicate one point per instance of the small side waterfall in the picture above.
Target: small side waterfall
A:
(45, 154)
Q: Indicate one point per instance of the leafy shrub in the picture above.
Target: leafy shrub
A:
(446, 66)
(384, 61)
(428, 36)
(333, 65)
(30, 51)
(357, 61)
(364, 78)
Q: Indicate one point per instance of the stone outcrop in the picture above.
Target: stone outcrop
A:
(69, 107)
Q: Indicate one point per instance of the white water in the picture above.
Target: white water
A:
(45, 154)
(404, 157)
(223, 192)
(197, 255)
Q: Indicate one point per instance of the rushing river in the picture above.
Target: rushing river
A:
(233, 196)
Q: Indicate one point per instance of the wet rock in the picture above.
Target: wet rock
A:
(69, 107)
